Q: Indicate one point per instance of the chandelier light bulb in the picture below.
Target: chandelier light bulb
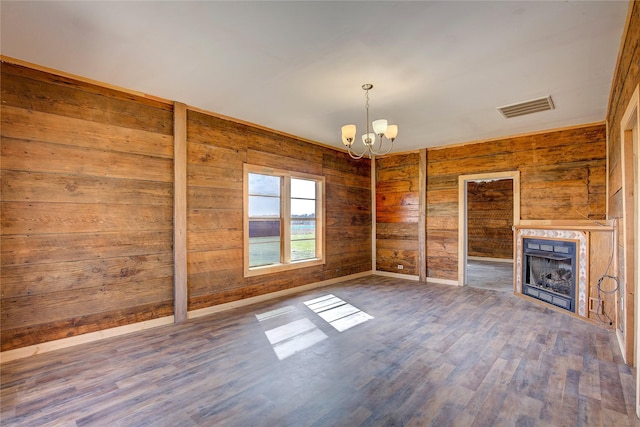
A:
(369, 139)
(348, 134)
(392, 132)
(379, 127)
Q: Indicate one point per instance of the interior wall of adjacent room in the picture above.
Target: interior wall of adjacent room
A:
(490, 219)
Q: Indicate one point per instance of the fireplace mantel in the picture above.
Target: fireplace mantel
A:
(581, 225)
(593, 243)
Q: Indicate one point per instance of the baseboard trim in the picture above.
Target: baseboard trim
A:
(442, 281)
(621, 345)
(396, 275)
(260, 298)
(45, 347)
(416, 278)
(484, 258)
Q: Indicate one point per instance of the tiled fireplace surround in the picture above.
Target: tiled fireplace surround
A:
(582, 259)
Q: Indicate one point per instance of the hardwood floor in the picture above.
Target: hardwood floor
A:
(494, 275)
(431, 355)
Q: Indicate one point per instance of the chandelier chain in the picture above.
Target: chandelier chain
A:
(367, 108)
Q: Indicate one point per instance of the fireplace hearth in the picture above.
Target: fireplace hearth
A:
(549, 271)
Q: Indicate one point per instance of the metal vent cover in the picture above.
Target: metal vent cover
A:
(527, 107)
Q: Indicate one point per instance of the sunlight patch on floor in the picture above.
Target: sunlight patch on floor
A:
(288, 331)
(338, 313)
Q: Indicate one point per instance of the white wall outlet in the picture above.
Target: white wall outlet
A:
(400, 266)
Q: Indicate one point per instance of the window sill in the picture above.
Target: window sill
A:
(277, 268)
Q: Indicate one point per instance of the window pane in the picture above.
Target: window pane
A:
(302, 208)
(303, 230)
(303, 249)
(303, 188)
(303, 240)
(264, 229)
(264, 206)
(263, 252)
(264, 243)
(265, 185)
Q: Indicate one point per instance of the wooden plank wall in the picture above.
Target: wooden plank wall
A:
(348, 214)
(625, 81)
(86, 208)
(397, 213)
(490, 219)
(217, 149)
(562, 177)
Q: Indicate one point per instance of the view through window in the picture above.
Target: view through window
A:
(283, 219)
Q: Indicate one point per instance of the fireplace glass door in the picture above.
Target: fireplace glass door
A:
(549, 271)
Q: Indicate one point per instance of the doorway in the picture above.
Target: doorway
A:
(474, 265)
(490, 234)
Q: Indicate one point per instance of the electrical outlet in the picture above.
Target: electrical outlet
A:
(400, 266)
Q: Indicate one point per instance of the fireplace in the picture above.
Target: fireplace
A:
(549, 271)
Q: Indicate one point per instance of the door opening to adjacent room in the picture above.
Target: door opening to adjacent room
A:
(489, 207)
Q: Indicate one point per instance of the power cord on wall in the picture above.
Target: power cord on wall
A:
(604, 276)
(592, 220)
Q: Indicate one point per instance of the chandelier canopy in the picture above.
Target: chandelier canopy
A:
(381, 129)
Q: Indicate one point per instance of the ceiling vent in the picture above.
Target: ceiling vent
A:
(527, 107)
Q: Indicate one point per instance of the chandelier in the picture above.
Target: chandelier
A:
(381, 129)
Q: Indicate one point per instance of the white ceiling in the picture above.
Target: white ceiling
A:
(439, 69)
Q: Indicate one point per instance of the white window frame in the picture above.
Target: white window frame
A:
(285, 220)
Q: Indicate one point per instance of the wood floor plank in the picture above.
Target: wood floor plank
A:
(433, 355)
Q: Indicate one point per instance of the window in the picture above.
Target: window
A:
(283, 220)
